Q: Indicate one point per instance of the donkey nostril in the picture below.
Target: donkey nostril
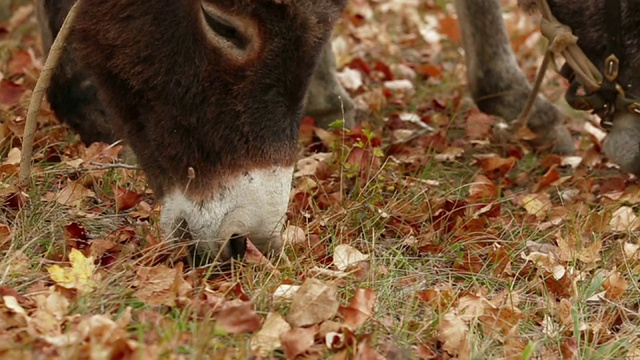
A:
(237, 245)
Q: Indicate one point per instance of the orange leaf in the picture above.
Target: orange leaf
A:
(449, 26)
(125, 199)
(360, 308)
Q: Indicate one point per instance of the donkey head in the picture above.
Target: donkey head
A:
(209, 94)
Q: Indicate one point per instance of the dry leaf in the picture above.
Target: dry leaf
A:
(345, 255)
(238, 317)
(453, 333)
(537, 205)
(624, 219)
(285, 292)
(360, 308)
(309, 165)
(161, 285)
(13, 158)
(313, 303)
(482, 188)
(125, 199)
(297, 341)
(615, 285)
(79, 276)
(72, 194)
(267, 339)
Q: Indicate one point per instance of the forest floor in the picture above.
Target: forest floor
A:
(412, 235)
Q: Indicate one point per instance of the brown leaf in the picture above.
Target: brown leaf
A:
(238, 317)
(478, 126)
(367, 352)
(624, 219)
(615, 285)
(161, 285)
(13, 157)
(72, 194)
(101, 153)
(483, 189)
(547, 179)
(497, 167)
(315, 302)
(453, 333)
(430, 70)
(537, 205)
(10, 92)
(125, 199)
(345, 255)
(360, 308)
(267, 339)
(569, 349)
(449, 26)
(5, 236)
(297, 341)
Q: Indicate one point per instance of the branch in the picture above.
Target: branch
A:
(57, 48)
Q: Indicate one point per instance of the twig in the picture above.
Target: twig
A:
(57, 48)
(101, 166)
(523, 118)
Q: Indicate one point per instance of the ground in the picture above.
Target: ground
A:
(414, 235)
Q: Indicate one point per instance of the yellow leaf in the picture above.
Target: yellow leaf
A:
(78, 276)
(537, 205)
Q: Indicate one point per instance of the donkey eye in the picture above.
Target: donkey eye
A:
(225, 28)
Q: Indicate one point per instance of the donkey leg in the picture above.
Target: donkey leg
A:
(327, 101)
(73, 97)
(497, 84)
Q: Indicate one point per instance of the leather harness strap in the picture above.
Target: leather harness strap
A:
(601, 93)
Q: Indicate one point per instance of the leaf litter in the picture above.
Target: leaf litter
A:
(413, 235)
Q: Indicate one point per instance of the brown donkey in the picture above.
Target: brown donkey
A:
(208, 94)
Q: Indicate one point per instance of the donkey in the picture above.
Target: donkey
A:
(211, 105)
(499, 87)
(208, 95)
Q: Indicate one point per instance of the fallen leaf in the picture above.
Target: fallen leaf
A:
(72, 194)
(345, 255)
(478, 126)
(267, 339)
(483, 189)
(360, 308)
(294, 235)
(309, 165)
(537, 205)
(496, 166)
(615, 285)
(449, 154)
(313, 303)
(624, 219)
(161, 285)
(449, 26)
(79, 276)
(125, 199)
(453, 333)
(297, 341)
(285, 292)
(13, 158)
(547, 179)
(5, 235)
(238, 317)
